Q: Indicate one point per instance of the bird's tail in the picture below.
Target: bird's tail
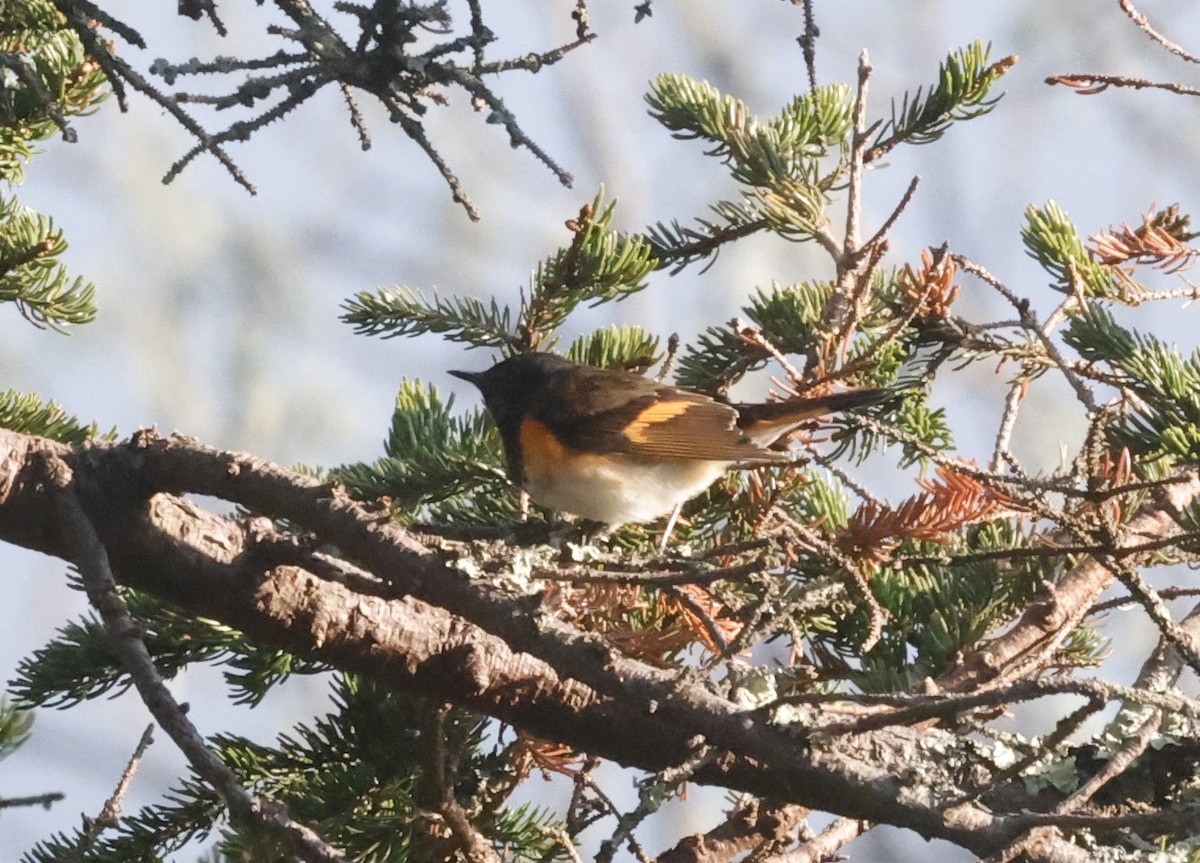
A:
(767, 422)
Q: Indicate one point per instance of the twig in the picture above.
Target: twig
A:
(1064, 729)
(848, 254)
(1153, 604)
(43, 800)
(653, 792)
(473, 845)
(565, 841)
(825, 845)
(662, 578)
(536, 62)
(669, 360)
(356, 117)
(1144, 25)
(1086, 84)
(505, 117)
(752, 334)
(118, 70)
(851, 246)
(808, 43)
(711, 627)
(876, 614)
(1008, 422)
(1030, 322)
(458, 192)
(1132, 747)
(900, 207)
(93, 827)
(89, 555)
(1052, 551)
(759, 827)
(1165, 593)
(477, 27)
(586, 780)
(1156, 821)
(838, 471)
(913, 708)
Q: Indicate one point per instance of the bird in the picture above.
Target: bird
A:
(616, 447)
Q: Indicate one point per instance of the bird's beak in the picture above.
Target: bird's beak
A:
(470, 377)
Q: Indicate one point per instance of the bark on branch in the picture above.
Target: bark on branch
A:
(411, 621)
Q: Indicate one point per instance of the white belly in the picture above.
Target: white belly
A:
(617, 489)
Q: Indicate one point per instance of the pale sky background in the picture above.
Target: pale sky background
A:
(219, 311)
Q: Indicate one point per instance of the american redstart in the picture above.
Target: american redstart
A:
(616, 447)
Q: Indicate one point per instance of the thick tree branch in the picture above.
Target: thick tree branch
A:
(825, 845)
(413, 622)
(749, 827)
(84, 548)
(1046, 623)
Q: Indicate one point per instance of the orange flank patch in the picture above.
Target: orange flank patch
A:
(542, 450)
(548, 461)
(659, 412)
(613, 487)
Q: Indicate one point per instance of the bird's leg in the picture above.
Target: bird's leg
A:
(674, 517)
(585, 532)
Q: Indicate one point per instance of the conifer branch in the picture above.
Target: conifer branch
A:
(84, 548)
(1047, 622)
(899, 603)
(119, 73)
(961, 93)
(272, 603)
(404, 311)
(676, 246)
(382, 63)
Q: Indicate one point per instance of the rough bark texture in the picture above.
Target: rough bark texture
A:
(411, 621)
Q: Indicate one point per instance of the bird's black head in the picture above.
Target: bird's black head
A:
(511, 386)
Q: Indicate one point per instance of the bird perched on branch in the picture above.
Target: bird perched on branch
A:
(616, 447)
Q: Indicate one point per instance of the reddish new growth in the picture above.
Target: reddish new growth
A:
(653, 626)
(529, 753)
(932, 288)
(948, 504)
(1161, 242)
(1084, 85)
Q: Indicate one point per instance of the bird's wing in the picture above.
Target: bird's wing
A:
(668, 423)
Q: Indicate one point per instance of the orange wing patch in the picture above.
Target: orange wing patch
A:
(659, 412)
(692, 427)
